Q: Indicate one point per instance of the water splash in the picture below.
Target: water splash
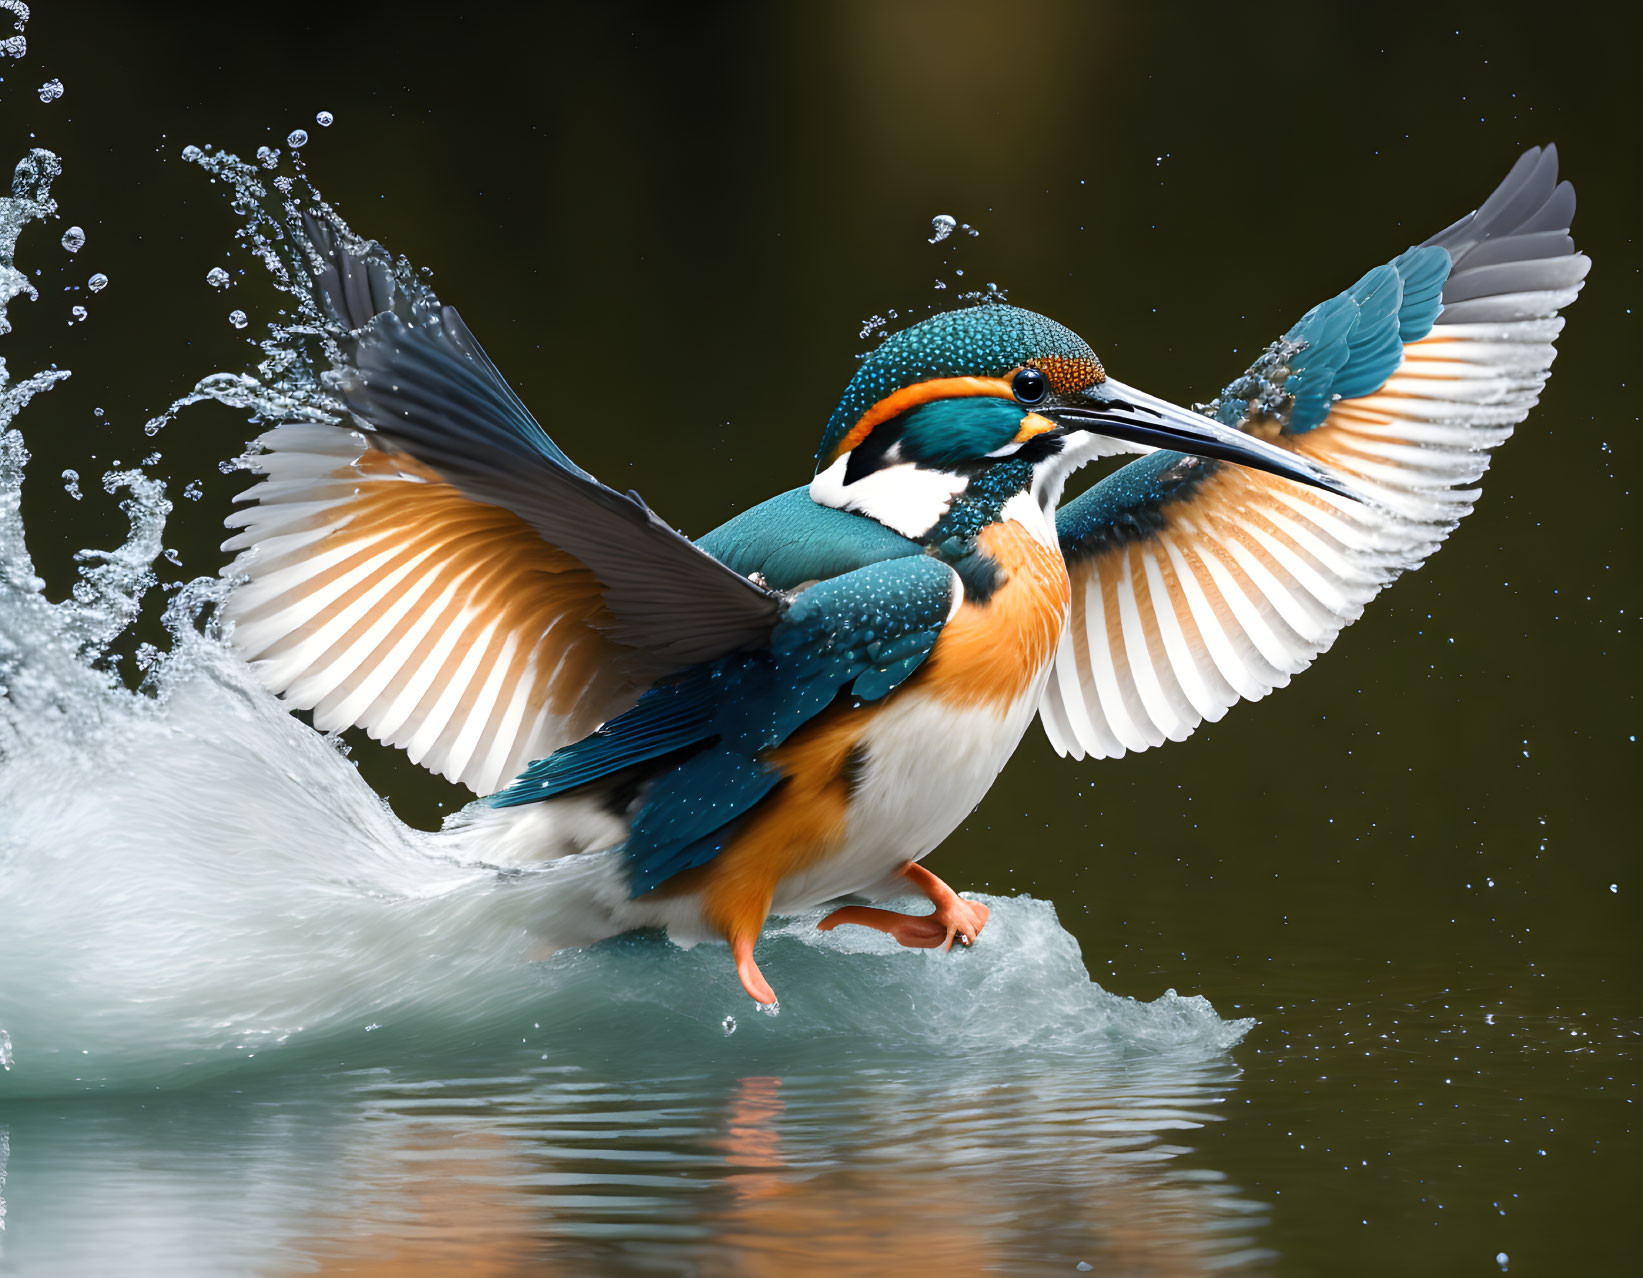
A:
(16, 45)
(196, 883)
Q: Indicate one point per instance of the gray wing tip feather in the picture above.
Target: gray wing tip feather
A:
(1529, 199)
(356, 280)
(1516, 243)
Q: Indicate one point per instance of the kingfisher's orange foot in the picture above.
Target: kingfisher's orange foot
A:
(915, 931)
(954, 917)
(758, 989)
(960, 917)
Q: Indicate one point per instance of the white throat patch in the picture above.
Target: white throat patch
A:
(904, 497)
(1079, 451)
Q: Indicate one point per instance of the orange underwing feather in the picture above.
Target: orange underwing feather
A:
(378, 594)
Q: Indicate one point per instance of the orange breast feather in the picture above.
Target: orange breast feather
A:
(992, 653)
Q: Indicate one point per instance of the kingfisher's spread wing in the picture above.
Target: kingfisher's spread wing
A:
(443, 575)
(721, 725)
(1197, 583)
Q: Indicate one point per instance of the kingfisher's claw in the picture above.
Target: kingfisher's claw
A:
(961, 918)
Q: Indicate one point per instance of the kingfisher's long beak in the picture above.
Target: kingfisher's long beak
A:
(1122, 412)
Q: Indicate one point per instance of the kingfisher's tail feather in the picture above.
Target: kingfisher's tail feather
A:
(1197, 584)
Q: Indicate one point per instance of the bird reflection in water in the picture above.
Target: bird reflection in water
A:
(972, 1180)
(879, 1169)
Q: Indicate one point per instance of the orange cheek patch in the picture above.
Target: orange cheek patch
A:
(1032, 424)
(912, 396)
(1070, 374)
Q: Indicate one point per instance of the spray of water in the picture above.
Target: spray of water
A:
(193, 883)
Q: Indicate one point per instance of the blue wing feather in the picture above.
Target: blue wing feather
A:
(790, 540)
(864, 632)
(1350, 345)
(1424, 274)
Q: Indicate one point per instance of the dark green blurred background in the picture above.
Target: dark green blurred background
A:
(668, 225)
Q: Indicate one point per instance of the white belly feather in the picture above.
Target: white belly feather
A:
(928, 764)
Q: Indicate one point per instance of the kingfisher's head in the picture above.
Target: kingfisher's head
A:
(967, 410)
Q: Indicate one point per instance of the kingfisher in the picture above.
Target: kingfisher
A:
(794, 710)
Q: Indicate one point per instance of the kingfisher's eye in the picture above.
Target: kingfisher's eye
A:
(1029, 386)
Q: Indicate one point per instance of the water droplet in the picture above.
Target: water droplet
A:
(74, 239)
(97, 283)
(296, 138)
(728, 1025)
(769, 1009)
(192, 153)
(14, 47)
(943, 226)
(324, 119)
(71, 483)
(237, 319)
(78, 312)
(268, 156)
(217, 277)
(1500, 1259)
(283, 185)
(193, 492)
(51, 90)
